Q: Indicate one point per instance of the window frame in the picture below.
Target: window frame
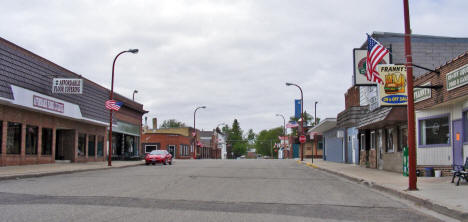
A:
(362, 141)
(388, 132)
(31, 150)
(43, 141)
(449, 144)
(148, 145)
(80, 136)
(14, 144)
(465, 126)
(93, 144)
(100, 144)
(372, 140)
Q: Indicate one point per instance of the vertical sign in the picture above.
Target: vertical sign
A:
(297, 110)
(393, 91)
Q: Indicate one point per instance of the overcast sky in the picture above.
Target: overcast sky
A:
(232, 56)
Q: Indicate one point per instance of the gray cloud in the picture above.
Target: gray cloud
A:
(232, 56)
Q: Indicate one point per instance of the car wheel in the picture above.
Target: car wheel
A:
(147, 164)
(170, 162)
(153, 163)
(165, 162)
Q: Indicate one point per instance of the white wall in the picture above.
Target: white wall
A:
(439, 155)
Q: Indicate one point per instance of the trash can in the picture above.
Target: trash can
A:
(437, 173)
(429, 171)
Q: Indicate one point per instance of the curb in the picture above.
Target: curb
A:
(459, 215)
(24, 176)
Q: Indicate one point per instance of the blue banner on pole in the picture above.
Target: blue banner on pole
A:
(297, 111)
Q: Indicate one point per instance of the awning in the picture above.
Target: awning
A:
(324, 126)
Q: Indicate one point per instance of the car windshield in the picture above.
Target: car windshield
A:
(157, 152)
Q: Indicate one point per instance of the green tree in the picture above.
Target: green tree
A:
(239, 145)
(172, 123)
(309, 121)
(266, 139)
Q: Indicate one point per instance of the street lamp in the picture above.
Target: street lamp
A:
(195, 132)
(133, 96)
(284, 127)
(111, 97)
(302, 116)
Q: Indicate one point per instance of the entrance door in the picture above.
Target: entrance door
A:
(457, 142)
(295, 150)
(171, 149)
(65, 144)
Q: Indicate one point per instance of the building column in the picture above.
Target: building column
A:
(39, 143)
(4, 142)
(23, 143)
(54, 137)
(75, 146)
(86, 147)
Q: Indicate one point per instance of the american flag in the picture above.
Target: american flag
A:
(292, 125)
(375, 54)
(113, 105)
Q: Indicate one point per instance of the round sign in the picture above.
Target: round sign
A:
(302, 139)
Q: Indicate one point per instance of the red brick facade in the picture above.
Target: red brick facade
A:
(164, 140)
(442, 95)
(352, 97)
(40, 120)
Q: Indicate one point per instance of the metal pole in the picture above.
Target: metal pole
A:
(315, 124)
(195, 132)
(111, 97)
(411, 122)
(302, 123)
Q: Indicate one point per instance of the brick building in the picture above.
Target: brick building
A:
(38, 126)
(382, 130)
(442, 116)
(177, 141)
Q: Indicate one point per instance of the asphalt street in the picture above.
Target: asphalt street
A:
(201, 190)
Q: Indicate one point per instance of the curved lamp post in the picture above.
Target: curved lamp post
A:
(111, 97)
(195, 132)
(284, 127)
(302, 116)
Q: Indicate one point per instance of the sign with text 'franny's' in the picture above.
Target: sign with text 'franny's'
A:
(457, 78)
(393, 91)
(67, 86)
(421, 94)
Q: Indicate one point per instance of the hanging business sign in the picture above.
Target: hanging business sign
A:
(457, 78)
(67, 86)
(421, 94)
(393, 91)
(359, 73)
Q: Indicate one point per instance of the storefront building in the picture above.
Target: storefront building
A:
(442, 116)
(327, 141)
(177, 141)
(41, 126)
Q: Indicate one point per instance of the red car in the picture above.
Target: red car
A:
(158, 156)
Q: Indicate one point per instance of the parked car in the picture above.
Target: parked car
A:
(158, 156)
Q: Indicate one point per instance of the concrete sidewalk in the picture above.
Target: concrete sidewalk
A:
(26, 171)
(437, 194)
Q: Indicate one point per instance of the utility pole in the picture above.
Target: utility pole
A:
(411, 122)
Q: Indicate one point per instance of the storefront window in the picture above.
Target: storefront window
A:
(81, 144)
(320, 145)
(14, 138)
(149, 148)
(403, 138)
(46, 141)
(434, 131)
(372, 140)
(31, 139)
(465, 127)
(184, 150)
(389, 140)
(91, 145)
(100, 146)
(363, 141)
(129, 144)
